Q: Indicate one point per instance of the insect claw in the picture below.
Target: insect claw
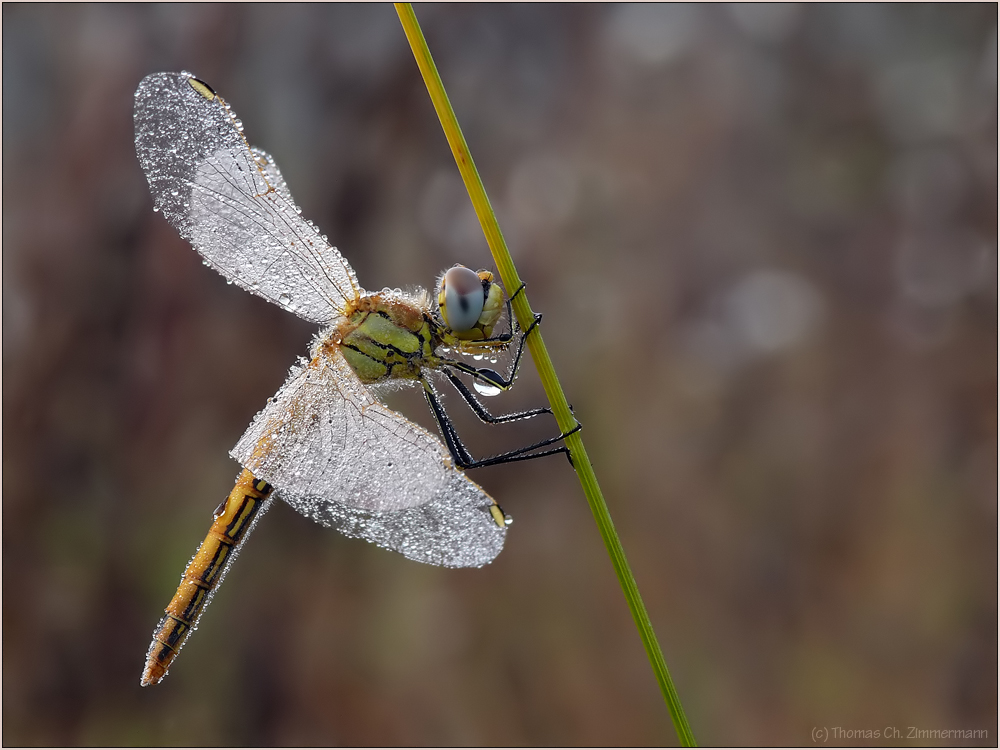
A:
(534, 324)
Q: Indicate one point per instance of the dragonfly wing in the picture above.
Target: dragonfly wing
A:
(230, 201)
(453, 528)
(339, 456)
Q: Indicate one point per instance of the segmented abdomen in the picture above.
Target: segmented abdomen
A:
(234, 519)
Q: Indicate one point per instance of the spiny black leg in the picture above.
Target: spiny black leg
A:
(534, 324)
(523, 454)
(505, 337)
(456, 448)
(507, 459)
(492, 377)
(481, 411)
(460, 454)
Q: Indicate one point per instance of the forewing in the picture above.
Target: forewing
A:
(340, 457)
(231, 203)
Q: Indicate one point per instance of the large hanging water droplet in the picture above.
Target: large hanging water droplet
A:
(477, 357)
(485, 389)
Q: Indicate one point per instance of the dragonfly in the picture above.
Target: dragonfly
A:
(325, 443)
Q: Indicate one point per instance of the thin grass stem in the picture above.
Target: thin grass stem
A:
(540, 355)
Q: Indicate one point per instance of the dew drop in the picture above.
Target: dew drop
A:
(485, 389)
(477, 357)
(285, 299)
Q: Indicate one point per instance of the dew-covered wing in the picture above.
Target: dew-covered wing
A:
(231, 202)
(340, 457)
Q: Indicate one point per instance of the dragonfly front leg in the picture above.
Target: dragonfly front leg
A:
(491, 377)
(512, 321)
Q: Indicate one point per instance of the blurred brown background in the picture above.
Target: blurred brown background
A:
(764, 240)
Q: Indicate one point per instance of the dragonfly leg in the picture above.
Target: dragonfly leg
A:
(461, 454)
(456, 447)
(492, 377)
(505, 337)
(481, 411)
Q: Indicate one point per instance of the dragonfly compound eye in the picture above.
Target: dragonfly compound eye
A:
(462, 298)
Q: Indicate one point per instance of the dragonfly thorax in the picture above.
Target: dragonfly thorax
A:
(393, 336)
(387, 336)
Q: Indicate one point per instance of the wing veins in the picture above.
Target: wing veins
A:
(265, 217)
(248, 151)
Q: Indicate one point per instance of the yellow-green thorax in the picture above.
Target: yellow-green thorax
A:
(389, 336)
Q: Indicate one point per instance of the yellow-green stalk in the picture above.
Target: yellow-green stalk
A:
(540, 355)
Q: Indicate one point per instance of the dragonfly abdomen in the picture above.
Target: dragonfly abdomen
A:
(233, 520)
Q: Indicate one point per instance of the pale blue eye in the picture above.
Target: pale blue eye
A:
(463, 298)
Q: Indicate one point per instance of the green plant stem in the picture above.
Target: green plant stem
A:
(540, 355)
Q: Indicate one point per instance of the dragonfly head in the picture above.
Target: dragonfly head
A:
(470, 303)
